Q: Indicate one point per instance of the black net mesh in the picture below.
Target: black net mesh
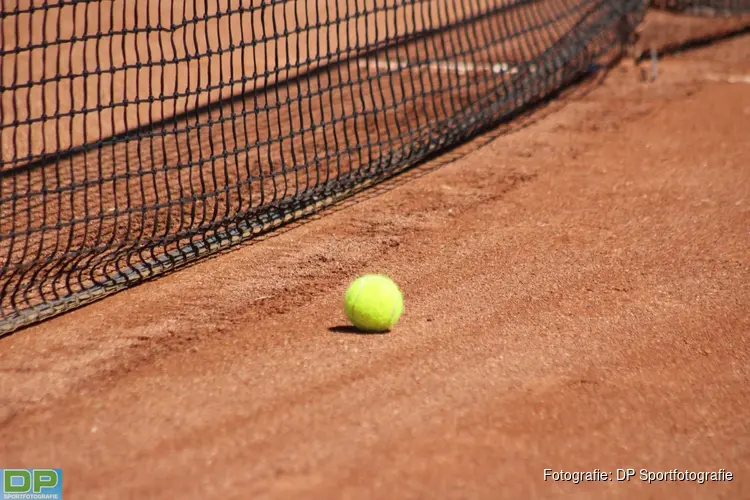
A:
(137, 135)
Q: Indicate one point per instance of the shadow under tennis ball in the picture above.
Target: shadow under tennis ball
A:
(353, 331)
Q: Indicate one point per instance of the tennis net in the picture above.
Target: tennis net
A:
(138, 135)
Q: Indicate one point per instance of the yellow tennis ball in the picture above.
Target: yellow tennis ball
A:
(373, 303)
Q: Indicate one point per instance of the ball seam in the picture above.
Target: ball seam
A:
(356, 296)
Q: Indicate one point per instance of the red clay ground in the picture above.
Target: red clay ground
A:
(576, 298)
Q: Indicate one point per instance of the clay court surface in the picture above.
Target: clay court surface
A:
(577, 289)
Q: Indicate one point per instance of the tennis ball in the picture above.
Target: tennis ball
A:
(373, 303)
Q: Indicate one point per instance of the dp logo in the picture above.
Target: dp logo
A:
(31, 483)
